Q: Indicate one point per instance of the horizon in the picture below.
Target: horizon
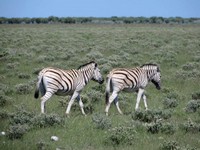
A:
(104, 17)
(99, 8)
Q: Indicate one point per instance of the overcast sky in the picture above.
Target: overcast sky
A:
(99, 8)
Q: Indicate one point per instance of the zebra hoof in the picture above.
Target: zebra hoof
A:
(67, 115)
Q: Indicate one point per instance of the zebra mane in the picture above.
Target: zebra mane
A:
(87, 64)
(151, 64)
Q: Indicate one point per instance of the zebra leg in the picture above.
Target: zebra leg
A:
(117, 105)
(80, 104)
(111, 99)
(47, 95)
(140, 93)
(145, 101)
(74, 96)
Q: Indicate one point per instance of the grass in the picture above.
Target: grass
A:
(25, 49)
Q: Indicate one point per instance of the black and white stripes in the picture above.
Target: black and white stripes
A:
(66, 82)
(135, 79)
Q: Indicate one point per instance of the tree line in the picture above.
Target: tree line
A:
(96, 20)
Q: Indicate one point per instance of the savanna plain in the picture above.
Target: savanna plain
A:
(173, 118)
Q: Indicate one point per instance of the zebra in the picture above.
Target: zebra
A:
(66, 82)
(130, 80)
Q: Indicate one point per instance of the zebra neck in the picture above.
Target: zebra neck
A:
(87, 76)
(150, 74)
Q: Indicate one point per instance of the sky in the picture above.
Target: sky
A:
(99, 8)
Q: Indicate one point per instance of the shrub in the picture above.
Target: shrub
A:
(4, 89)
(106, 68)
(94, 55)
(101, 121)
(170, 103)
(21, 117)
(121, 136)
(189, 66)
(165, 114)
(24, 76)
(192, 106)
(17, 131)
(12, 65)
(191, 126)
(88, 107)
(144, 116)
(196, 95)
(172, 95)
(4, 99)
(23, 89)
(42, 59)
(44, 120)
(23, 120)
(154, 127)
(94, 95)
(4, 114)
(150, 115)
(168, 128)
(41, 145)
(170, 145)
(173, 145)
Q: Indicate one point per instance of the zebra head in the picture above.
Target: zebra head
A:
(97, 75)
(153, 73)
(156, 80)
(92, 71)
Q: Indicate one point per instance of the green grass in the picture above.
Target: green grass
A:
(24, 49)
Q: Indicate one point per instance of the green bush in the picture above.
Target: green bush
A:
(101, 121)
(22, 116)
(41, 145)
(192, 106)
(173, 145)
(4, 99)
(170, 103)
(17, 131)
(46, 120)
(151, 115)
(121, 136)
(168, 128)
(4, 89)
(12, 65)
(94, 95)
(196, 95)
(23, 88)
(24, 76)
(170, 145)
(22, 121)
(154, 127)
(144, 116)
(190, 126)
(4, 114)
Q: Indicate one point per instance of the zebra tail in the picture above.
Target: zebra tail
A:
(108, 89)
(36, 95)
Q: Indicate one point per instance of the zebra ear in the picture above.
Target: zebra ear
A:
(95, 65)
(158, 69)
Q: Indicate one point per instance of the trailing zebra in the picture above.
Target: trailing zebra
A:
(130, 80)
(66, 82)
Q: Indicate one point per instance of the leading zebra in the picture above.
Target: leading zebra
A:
(131, 80)
(66, 82)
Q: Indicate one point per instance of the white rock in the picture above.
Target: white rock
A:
(54, 138)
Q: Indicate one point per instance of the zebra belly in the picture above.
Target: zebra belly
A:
(130, 89)
(64, 93)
